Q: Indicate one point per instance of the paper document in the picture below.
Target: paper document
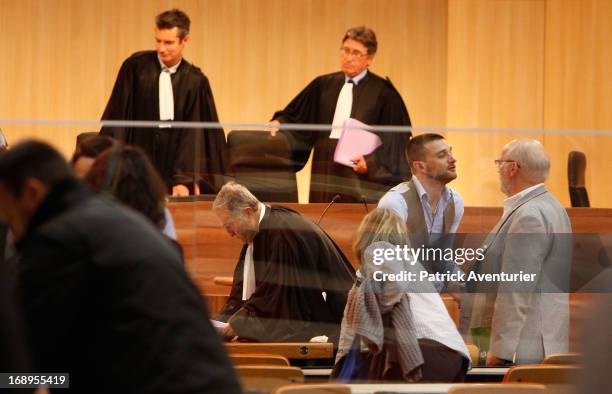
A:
(218, 325)
(355, 141)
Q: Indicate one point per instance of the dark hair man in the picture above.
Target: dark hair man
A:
(432, 211)
(162, 85)
(104, 295)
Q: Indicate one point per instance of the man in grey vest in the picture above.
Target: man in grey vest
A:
(431, 210)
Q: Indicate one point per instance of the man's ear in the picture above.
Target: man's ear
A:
(185, 39)
(33, 192)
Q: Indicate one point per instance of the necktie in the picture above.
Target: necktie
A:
(343, 109)
(248, 278)
(166, 96)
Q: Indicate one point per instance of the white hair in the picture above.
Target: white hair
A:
(531, 157)
(235, 198)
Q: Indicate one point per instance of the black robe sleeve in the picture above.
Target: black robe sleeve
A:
(119, 106)
(302, 109)
(268, 315)
(295, 263)
(200, 155)
(388, 164)
(234, 302)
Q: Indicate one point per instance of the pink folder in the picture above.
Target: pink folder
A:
(355, 141)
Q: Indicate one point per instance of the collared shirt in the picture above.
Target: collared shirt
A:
(248, 276)
(172, 69)
(435, 221)
(511, 202)
(357, 78)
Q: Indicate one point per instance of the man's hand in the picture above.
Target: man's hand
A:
(493, 361)
(273, 128)
(180, 191)
(360, 165)
(228, 332)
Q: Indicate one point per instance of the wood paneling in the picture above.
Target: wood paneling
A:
(457, 63)
(495, 80)
(578, 90)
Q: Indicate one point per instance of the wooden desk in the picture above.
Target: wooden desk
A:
(291, 350)
(210, 252)
(410, 388)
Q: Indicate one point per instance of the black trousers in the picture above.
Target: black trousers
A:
(442, 364)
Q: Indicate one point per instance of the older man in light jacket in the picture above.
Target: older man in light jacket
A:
(526, 317)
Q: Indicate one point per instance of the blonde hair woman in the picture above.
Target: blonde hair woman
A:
(395, 325)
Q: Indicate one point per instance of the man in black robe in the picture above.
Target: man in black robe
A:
(374, 102)
(291, 280)
(161, 85)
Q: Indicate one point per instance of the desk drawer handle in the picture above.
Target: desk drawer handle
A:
(303, 350)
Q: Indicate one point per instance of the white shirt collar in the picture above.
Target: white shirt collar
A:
(357, 78)
(262, 208)
(172, 69)
(511, 202)
(422, 192)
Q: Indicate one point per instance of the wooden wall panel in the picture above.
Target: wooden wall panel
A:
(457, 63)
(578, 89)
(412, 39)
(495, 80)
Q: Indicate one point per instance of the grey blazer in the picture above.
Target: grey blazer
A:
(530, 319)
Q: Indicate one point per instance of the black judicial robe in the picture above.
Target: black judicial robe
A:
(375, 102)
(181, 156)
(295, 261)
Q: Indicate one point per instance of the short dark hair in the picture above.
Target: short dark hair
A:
(174, 18)
(92, 147)
(32, 159)
(415, 150)
(127, 173)
(364, 35)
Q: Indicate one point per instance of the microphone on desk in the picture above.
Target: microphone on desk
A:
(333, 200)
(365, 203)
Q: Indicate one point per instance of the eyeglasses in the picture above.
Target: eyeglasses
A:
(499, 162)
(352, 52)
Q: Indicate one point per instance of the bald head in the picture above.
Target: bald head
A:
(531, 158)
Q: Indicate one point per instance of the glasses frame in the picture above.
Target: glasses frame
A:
(354, 53)
(498, 162)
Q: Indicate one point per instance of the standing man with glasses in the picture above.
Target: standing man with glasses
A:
(353, 92)
(527, 318)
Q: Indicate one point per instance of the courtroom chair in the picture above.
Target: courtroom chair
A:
(498, 388)
(259, 359)
(267, 378)
(323, 388)
(85, 136)
(576, 166)
(262, 164)
(223, 280)
(543, 374)
(568, 358)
